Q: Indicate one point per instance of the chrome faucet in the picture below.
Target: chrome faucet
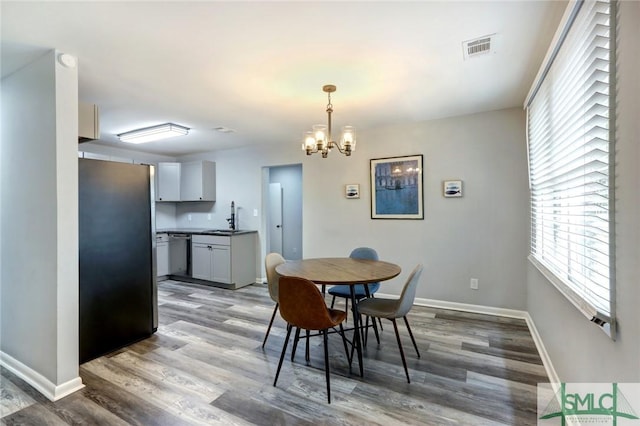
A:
(232, 219)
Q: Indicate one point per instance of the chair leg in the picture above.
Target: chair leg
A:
(404, 361)
(366, 332)
(411, 334)
(326, 364)
(295, 343)
(306, 352)
(333, 301)
(373, 323)
(375, 328)
(284, 349)
(346, 309)
(346, 348)
(270, 324)
(379, 319)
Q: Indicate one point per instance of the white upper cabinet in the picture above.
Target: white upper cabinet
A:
(198, 181)
(168, 188)
(191, 181)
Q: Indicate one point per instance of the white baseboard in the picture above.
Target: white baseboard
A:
(480, 309)
(43, 385)
(511, 313)
(546, 360)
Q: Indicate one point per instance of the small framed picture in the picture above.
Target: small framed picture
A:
(352, 190)
(452, 188)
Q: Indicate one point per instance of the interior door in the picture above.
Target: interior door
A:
(275, 218)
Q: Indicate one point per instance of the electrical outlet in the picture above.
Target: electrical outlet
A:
(474, 283)
(189, 217)
(255, 212)
(209, 216)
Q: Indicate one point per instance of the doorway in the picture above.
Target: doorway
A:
(284, 210)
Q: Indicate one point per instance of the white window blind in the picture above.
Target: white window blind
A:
(570, 137)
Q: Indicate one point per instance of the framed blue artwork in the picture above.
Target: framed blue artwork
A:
(396, 188)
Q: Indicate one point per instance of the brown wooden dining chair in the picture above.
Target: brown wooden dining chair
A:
(270, 262)
(302, 306)
(392, 309)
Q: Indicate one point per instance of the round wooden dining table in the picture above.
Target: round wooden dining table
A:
(342, 271)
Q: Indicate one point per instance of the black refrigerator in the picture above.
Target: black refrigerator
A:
(118, 288)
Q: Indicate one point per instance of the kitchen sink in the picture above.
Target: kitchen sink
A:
(222, 231)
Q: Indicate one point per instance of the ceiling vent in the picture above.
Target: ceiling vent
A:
(223, 129)
(479, 46)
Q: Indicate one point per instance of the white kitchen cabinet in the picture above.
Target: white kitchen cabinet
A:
(168, 182)
(198, 181)
(211, 258)
(227, 260)
(221, 264)
(162, 255)
(190, 181)
(201, 261)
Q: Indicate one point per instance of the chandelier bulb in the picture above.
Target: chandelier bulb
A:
(319, 138)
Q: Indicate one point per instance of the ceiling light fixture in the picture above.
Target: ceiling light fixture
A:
(319, 138)
(154, 133)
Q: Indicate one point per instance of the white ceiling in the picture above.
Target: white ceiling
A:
(259, 67)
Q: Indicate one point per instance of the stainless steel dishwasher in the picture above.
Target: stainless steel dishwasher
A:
(180, 254)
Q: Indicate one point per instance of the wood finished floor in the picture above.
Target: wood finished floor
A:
(205, 365)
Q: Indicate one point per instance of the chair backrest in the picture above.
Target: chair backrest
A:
(408, 292)
(302, 304)
(370, 254)
(364, 253)
(270, 262)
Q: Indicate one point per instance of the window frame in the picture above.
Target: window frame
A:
(606, 322)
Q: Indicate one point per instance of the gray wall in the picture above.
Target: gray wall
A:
(579, 350)
(40, 221)
(482, 235)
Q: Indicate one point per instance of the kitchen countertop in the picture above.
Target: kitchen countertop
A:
(204, 231)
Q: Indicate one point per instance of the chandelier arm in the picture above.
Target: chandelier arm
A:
(346, 151)
(333, 144)
(324, 141)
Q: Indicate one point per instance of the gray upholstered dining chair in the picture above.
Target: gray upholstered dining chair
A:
(392, 309)
(270, 262)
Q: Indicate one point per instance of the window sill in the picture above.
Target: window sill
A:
(591, 313)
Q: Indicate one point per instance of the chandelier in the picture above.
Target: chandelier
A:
(319, 138)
